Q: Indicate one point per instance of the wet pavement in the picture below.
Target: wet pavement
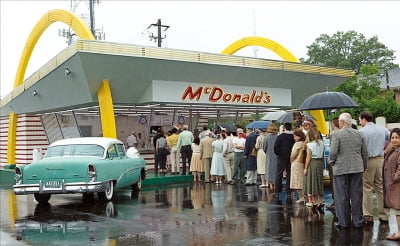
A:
(192, 214)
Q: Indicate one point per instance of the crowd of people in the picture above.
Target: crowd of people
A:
(361, 161)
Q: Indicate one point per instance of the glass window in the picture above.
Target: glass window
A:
(121, 150)
(112, 151)
(75, 150)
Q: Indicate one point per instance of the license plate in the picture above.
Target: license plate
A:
(52, 184)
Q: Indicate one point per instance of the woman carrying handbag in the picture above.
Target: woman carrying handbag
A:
(297, 159)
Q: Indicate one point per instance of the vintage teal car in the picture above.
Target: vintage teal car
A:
(81, 165)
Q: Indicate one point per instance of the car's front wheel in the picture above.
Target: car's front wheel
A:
(42, 198)
(138, 185)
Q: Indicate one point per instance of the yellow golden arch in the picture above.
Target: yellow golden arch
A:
(103, 93)
(286, 55)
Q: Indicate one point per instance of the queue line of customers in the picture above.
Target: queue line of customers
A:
(300, 153)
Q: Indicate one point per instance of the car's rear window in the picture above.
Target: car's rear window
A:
(75, 150)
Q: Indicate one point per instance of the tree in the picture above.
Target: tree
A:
(365, 90)
(367, 57)
(349, 50)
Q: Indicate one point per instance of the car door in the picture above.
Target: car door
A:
(115, 165)
(131, 173)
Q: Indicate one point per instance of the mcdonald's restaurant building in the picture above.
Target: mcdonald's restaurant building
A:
(97, 88)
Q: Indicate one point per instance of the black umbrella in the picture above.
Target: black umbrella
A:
(328, 100)
(230, 127)
(289, 117)
(286, 118)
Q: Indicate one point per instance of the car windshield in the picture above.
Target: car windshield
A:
(75, 150)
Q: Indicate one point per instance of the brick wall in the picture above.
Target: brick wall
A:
(30, 134)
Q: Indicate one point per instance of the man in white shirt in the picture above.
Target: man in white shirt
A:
(131, 141)
(238, 163)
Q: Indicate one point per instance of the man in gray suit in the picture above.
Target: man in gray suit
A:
(206, 153)
(348, 157)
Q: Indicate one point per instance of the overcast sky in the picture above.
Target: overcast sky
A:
(208, 26)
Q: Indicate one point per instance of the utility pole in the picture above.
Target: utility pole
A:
(91, 17)
(97, 33)
(158, 38)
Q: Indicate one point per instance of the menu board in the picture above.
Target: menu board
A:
(162, 120)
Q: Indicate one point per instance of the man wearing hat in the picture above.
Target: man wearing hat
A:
(272, 159)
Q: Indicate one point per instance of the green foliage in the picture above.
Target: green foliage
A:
(367, 57)
(365, 90)
(349, 50)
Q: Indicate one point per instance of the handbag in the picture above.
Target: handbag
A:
(253, 152)
(301, 157)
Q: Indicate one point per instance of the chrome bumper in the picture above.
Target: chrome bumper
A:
(81, 187)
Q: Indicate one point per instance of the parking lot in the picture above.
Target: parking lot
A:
(191, 214)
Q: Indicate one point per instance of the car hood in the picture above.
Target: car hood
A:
(59, 168)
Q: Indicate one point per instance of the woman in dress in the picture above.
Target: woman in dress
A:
(391, 180)
(297, 165)
(261, 157)
(217, 162)
(196, 165)
(313, 168)
(271, 158)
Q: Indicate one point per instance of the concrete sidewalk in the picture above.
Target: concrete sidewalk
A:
(7, 240)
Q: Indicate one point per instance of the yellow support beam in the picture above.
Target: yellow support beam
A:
(106, 110)
(320, 120)
(12, 138)
(49, 18)
(12, 208)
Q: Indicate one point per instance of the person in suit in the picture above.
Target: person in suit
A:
(283, 148)
(250, 157)
(348, 157)
(227, 153)
(334, 127)
(271, 163)
(206, 154)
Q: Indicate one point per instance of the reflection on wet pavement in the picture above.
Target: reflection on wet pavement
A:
(197, 214)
